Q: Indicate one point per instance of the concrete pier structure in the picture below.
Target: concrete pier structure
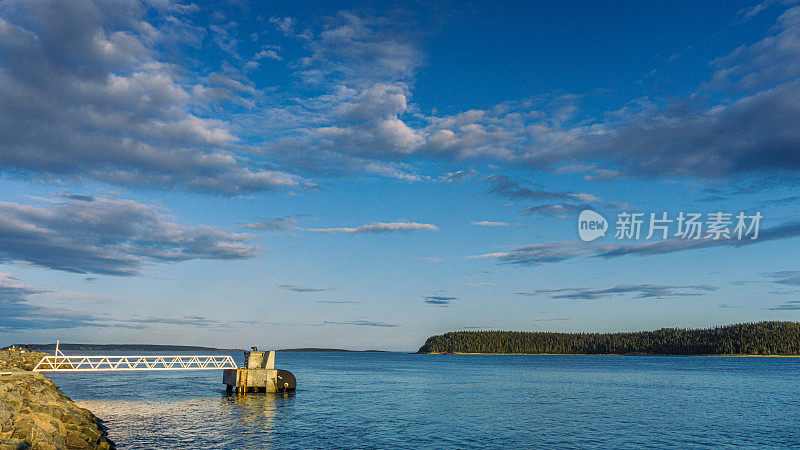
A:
(259, 375)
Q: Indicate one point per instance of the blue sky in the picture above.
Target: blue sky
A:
(367, 174)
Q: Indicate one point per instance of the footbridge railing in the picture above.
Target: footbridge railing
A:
(91, 363)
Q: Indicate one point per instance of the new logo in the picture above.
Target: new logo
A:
(591, 225)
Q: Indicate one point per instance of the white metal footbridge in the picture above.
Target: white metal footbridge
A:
(91, 363)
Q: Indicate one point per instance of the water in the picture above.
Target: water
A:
(380, 400)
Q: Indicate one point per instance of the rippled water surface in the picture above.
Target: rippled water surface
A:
(368, 400)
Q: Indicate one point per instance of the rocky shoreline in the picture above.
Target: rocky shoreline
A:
(35, 414)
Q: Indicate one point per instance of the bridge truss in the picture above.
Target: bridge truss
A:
(91, 363)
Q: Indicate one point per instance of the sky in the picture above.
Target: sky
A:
(364, 175)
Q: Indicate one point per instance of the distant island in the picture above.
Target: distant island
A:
(762, 338)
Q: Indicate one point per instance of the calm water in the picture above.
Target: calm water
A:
(369, 400)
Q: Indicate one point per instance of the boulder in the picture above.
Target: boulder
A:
(13, 444)
(34, 413)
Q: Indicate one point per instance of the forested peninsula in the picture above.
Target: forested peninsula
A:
(762, 338)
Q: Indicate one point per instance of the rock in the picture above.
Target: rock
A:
(35, 414)
(41, 445)
(71, 417)
(14, 360)
(41, 439)
(23, 428)
(13, 400)
(6, 424)
(76, 440)
(91, 434)
(13, 444)
(42, 421)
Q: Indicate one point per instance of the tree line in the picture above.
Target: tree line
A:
(761, 338)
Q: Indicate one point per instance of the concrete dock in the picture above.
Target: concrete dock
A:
(259, 375)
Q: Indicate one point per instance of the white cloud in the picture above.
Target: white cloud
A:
(284, 24)
(486, 223)
(269, 52)
(276, 224)
(380, 227)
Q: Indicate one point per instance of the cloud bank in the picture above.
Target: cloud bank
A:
(642, 291)
(439, 300)
(554, 252)
(293, 288)
(87, 93)
(22, 310)
(102, 97)
(108, 236)
(19, 314)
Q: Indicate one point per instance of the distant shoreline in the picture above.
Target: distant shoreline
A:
(177, 348)
(130, 347)
(327, 350)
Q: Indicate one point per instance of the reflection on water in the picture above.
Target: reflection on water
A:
(257, 409)
(183, 421)
(379, 400)
(175, 421)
